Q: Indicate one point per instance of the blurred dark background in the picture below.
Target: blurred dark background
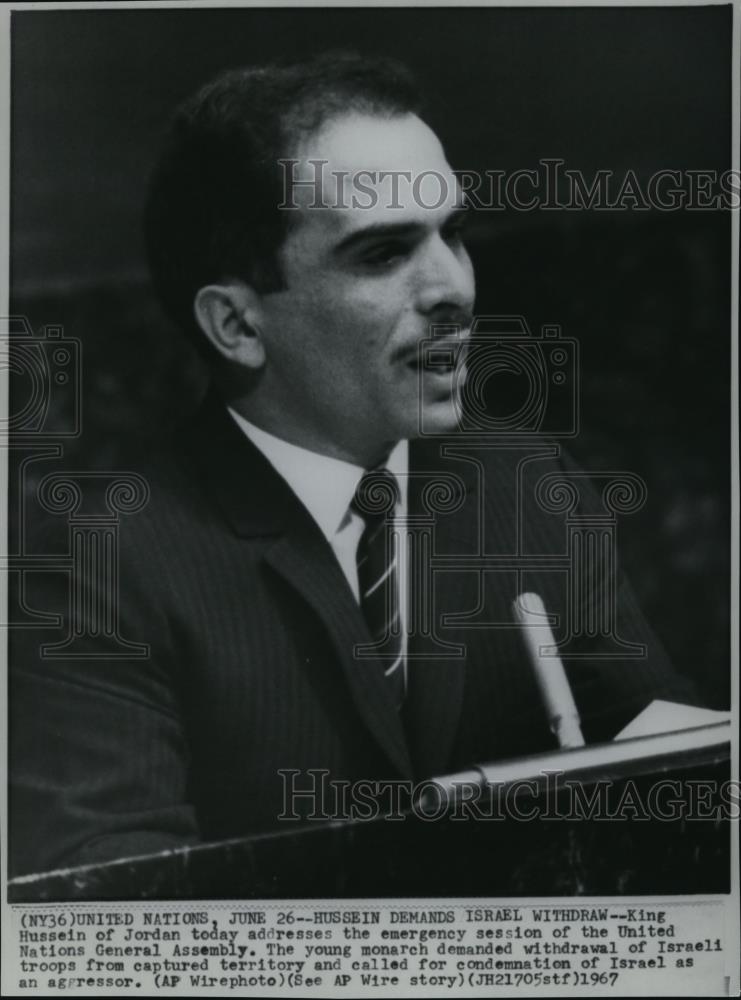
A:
(646, 293)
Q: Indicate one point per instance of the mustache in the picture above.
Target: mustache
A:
(420, 349)
(451, 318)
(444, 326)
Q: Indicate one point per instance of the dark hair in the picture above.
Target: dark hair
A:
(212, 208)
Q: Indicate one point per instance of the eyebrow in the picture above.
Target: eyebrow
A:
(391, 230)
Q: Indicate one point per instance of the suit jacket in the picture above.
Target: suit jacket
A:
(250, 671)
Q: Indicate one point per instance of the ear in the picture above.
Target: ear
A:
(229, 315)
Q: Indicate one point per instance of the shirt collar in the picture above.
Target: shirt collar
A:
(323, 484)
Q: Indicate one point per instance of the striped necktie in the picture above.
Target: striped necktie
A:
(378, 574)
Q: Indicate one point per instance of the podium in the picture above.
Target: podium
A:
(650, 816)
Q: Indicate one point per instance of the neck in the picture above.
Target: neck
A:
(367, 455)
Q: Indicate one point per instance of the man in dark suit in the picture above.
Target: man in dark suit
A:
(274, 632)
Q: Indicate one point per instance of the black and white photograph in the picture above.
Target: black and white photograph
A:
(370, 441)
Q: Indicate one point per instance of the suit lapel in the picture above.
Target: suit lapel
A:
(437, 682)
(258, 502)
(306, 561)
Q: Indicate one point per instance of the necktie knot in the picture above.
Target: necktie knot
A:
(376, 496)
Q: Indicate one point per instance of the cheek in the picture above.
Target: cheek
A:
(348, 323)
(357, 325)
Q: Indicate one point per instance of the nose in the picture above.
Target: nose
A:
(446, 286)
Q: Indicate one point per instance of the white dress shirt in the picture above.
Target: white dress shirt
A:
(326, 486)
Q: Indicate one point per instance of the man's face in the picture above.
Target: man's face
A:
(367, 277)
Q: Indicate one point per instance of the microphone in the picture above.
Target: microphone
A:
(550, 676)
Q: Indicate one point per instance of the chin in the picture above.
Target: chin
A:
(439, 418)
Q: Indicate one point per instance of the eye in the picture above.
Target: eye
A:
(384, 254)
